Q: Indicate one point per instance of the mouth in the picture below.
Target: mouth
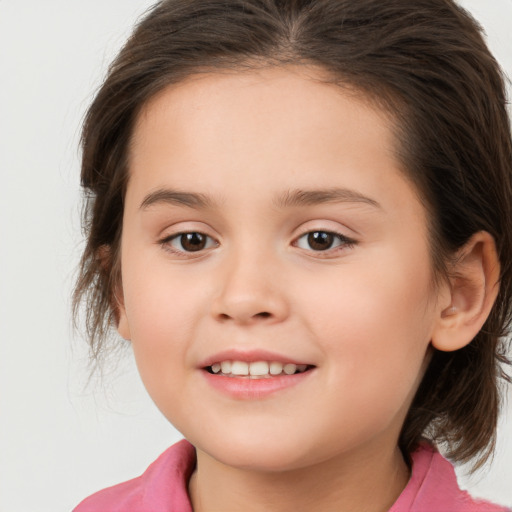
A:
(256, 369)
(254, 374)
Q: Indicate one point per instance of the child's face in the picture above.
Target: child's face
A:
(265, 166)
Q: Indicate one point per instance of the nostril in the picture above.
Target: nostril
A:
(245, 318)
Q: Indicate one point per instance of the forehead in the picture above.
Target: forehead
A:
(293, 108)
(263, 132)
(298, 96)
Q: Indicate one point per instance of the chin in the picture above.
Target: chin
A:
(259, 453)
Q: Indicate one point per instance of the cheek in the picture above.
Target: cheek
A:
(162, 311)
(375, 324)
(372, 303)
(161, 301)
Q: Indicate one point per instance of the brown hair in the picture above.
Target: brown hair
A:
(427, 64)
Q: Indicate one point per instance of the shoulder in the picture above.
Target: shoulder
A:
(433, 486)
(163, 486)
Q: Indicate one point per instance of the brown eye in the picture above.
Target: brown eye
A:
(190, 242)
(193, 241)
(320, 240)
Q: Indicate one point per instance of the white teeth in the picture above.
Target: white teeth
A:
(290, 368)
(276, 368)
(225, 366)
(257, 368)
(239, 368)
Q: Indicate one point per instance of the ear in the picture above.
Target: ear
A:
(123, 328)
(122, 323)
(112, 272)
(473, 288)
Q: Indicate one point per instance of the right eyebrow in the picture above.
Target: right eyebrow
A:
(176, 197)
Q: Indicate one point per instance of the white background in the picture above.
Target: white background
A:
(60, 441)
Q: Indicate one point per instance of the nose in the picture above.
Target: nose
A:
(250, 291)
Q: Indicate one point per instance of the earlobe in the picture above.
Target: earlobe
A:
(123, 327)
(474, 285)
(110, 265)
(122, 323)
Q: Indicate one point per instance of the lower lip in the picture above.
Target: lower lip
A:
(244, 388)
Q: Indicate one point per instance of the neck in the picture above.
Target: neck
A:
(363, 482)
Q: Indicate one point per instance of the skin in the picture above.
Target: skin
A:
(363, 312)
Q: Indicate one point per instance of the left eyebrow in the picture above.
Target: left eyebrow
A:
(295, 198)
(176, 197)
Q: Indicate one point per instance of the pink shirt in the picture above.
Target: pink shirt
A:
(163, 487)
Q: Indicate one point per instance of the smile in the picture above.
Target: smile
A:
(256, 369)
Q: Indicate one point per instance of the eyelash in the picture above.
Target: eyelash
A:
(167, 241)
(344, 242)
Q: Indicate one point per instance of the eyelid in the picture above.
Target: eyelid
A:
(175, 229)
(346, 242)
(165, 243)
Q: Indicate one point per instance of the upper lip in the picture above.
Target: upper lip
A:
(249, 356)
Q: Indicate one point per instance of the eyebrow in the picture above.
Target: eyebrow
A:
(294, 198)
(175, 197)
(289, 199)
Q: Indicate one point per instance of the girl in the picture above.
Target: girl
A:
(299, 216)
